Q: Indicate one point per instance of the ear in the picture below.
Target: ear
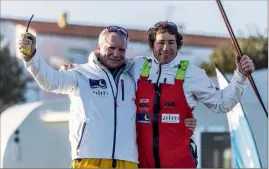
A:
(152, 48)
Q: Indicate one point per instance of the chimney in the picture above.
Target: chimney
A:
(62, 23)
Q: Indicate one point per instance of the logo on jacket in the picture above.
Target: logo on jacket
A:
(144, 101)
(143, 105)
(100, 93)
(143, 118)
(169, 104)
(101, 83)
(170, 118)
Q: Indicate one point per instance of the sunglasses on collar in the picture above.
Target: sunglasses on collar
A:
(117, 29)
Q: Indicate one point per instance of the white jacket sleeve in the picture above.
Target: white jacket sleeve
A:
(219, 101)
(51, 80)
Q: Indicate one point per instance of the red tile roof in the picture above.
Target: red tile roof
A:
(42, 27)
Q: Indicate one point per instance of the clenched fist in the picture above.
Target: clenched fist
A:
(25, 42)
(244, 65)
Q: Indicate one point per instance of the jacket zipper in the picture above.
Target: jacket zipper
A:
(122, 89)
(115, 114)
(155, 124)
(82, 134)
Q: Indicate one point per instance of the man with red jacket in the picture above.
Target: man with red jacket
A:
(168, 90)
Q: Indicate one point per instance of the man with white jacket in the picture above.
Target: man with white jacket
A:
(102, 94)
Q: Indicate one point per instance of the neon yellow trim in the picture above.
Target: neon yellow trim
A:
(145, 69)
(182, 70)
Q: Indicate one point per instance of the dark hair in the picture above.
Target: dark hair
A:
(152, 32)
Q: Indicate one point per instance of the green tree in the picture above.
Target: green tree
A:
(256, 47)
(12, 82)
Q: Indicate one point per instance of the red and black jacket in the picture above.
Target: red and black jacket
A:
(162, 137)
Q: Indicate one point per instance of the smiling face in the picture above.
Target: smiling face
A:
(112, 50)
(165, 47)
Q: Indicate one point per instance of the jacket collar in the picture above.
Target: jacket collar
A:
(173, 64)
(168, 71)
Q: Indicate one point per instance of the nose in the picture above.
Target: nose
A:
(116, 52)
(165, 46)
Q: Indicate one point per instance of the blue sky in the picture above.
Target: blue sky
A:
(199, 17)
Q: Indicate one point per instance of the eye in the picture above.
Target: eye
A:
(122, 50)
(112, 48)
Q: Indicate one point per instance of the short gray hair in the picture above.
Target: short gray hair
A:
(103, 36)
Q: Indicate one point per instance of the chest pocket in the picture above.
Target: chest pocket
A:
(127, 87)
(126, 95)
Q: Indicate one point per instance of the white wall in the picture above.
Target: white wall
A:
(8, 31)
(52, 46)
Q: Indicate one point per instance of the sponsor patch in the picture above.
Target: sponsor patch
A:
(143, 118)
(102, 93)
(169, 104)
(170, 118)
(100, 83)
(143, 105)
(144, 101)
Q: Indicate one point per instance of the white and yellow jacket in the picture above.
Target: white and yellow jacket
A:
(102, 112)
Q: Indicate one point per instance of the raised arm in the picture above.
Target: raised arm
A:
(51, 80)
(222, 101)
(219, 101)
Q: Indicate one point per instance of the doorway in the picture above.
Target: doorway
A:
(215, 150)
